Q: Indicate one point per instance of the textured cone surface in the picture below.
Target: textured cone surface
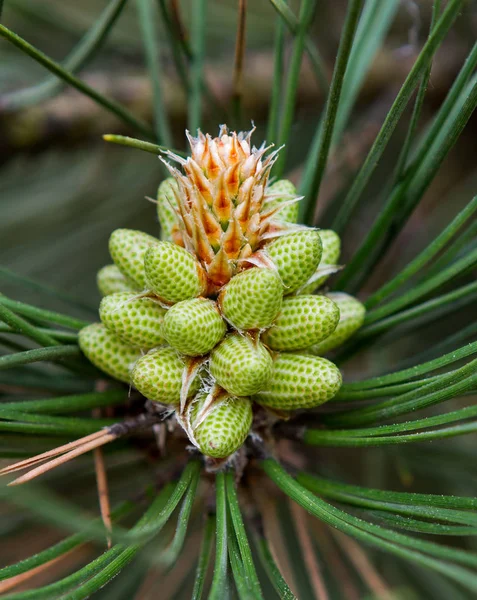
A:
(225, 428)
(110, 280)
(223, 201)
(297, 256)
(286, 191)
(300, 382)
(173, 274)
(158, 376)
(252, 299)
(352, 316)
(330, 255)
(302, 322)
(240, 365)
(127, 248)
(108, 352)
(193, 327)
(166, 201)
(135, 320)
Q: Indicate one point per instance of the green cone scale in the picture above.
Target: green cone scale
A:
(352, 316)
(217, 314)
(193, 327)
(158, 376)
(302, 322)
(252, 299)
(240, 365)
(108, 352)
(172, 273)
(110, 280)
(296, 256)
(127, 248)
(135, 320)
(300, 381)
(225, 427)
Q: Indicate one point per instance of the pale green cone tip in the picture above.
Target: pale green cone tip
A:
(225, 428)
(286, 191)
(158, 376)
(108, 352)
(331, 249)
(193, 327)
(302, 321)
(137, 321)
(127, 248)
(300, 382)
(240, 365)
(352, 316)
(252, 299)
(165, 211)
(296, 256)
(110, 280)
(173, 274)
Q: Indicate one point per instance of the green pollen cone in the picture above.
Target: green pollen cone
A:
(330, 255)
(286, 191)
(108, 352)
(158, 376)
(302, 322)
(240, 365)
(352, 317)
(127, 248)
(165, 211)
(225, 428)
(193, 327)
(297, 256)
(110, 280)
(135, 320)
(300, 382)
(252, 299)
(173, 274)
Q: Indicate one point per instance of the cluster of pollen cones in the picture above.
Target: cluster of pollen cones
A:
(219, 315)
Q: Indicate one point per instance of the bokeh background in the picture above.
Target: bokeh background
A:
(63, 189)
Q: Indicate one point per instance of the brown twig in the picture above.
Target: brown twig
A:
(28, 462)
(102, 482)
(64, 458)
(103, 492)
(73, 449)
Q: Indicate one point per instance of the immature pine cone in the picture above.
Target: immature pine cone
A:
(218, 315)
